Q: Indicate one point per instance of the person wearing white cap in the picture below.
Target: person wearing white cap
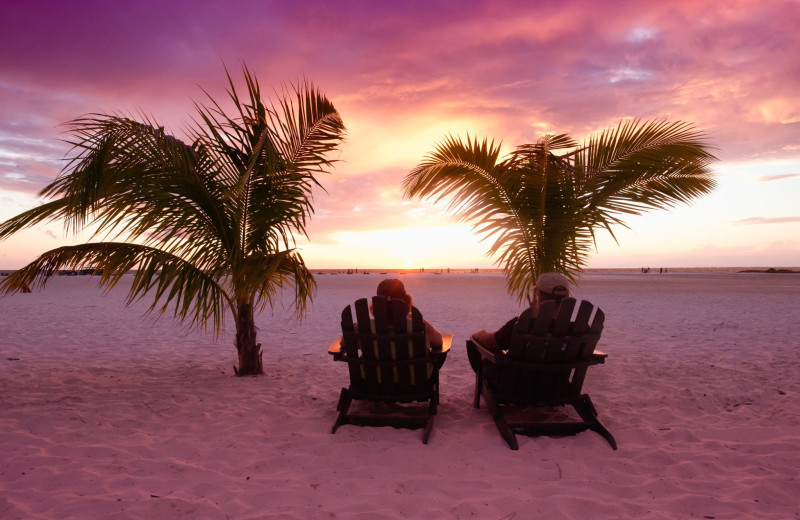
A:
(549, 287)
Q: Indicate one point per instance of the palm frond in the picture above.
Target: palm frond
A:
(306, 130)
(192, 294)
(641, 166)
(543, 204)
(131, 178)
(480, 191)
(266, 276)
(466, 167)
(276, 151)
(48, 211)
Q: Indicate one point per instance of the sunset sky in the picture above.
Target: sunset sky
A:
(404, 75)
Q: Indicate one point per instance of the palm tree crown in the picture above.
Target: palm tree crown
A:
(208, 227)
(544, 202)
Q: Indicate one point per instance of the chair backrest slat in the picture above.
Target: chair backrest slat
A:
(561, 325)
(385, 355)
(592, 336)
(581, 323)
(546, 340)
(350, 345)
(369, 347)
(398, 350)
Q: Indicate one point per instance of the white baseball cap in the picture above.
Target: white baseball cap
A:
(553, 283)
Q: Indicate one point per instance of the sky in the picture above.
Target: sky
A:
(403, 76)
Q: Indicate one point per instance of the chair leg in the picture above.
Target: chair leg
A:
(428, 429)
(432, 406)
(499, 419)
(478, 384)
(344, 405)
(588, 413)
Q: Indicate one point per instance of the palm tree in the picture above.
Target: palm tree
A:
(208, 227)
(543, 203)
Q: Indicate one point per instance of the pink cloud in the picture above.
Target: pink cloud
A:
(764, 220)
(770, 178)
(404, 74)
(559, 61)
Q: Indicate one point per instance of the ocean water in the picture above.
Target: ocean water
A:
(600, 270)
(462, 303)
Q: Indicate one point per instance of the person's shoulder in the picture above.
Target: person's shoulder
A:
(510, 323)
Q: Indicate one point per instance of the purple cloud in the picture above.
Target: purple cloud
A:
(403, 75)
(511, 60)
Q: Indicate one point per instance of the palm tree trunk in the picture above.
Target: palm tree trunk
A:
(249, 351)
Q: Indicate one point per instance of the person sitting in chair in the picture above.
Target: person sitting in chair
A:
(392, 289)
(549, 287)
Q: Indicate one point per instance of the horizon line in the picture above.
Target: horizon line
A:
(495, 270)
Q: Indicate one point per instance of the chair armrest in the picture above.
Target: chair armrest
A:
(336, 347)
(447, 341)
(597, 357)
(485, 353)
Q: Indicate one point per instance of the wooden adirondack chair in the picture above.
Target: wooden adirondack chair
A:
(389, 362)
(544, 366)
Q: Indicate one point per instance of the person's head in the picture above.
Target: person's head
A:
(550, 287)
(394, 289)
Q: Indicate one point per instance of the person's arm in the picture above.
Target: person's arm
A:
(432, 336)
(498, 340)
(486, 339)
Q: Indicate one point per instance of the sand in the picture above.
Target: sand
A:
(105, 414)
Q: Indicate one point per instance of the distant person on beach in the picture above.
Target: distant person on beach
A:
(393, 288)
(549, 287)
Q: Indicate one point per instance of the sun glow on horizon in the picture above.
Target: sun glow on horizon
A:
(410, 247)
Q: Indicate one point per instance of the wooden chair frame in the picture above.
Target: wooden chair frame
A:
(389, 362)
(545, 366)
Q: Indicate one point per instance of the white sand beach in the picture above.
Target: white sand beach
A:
(105, 414)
